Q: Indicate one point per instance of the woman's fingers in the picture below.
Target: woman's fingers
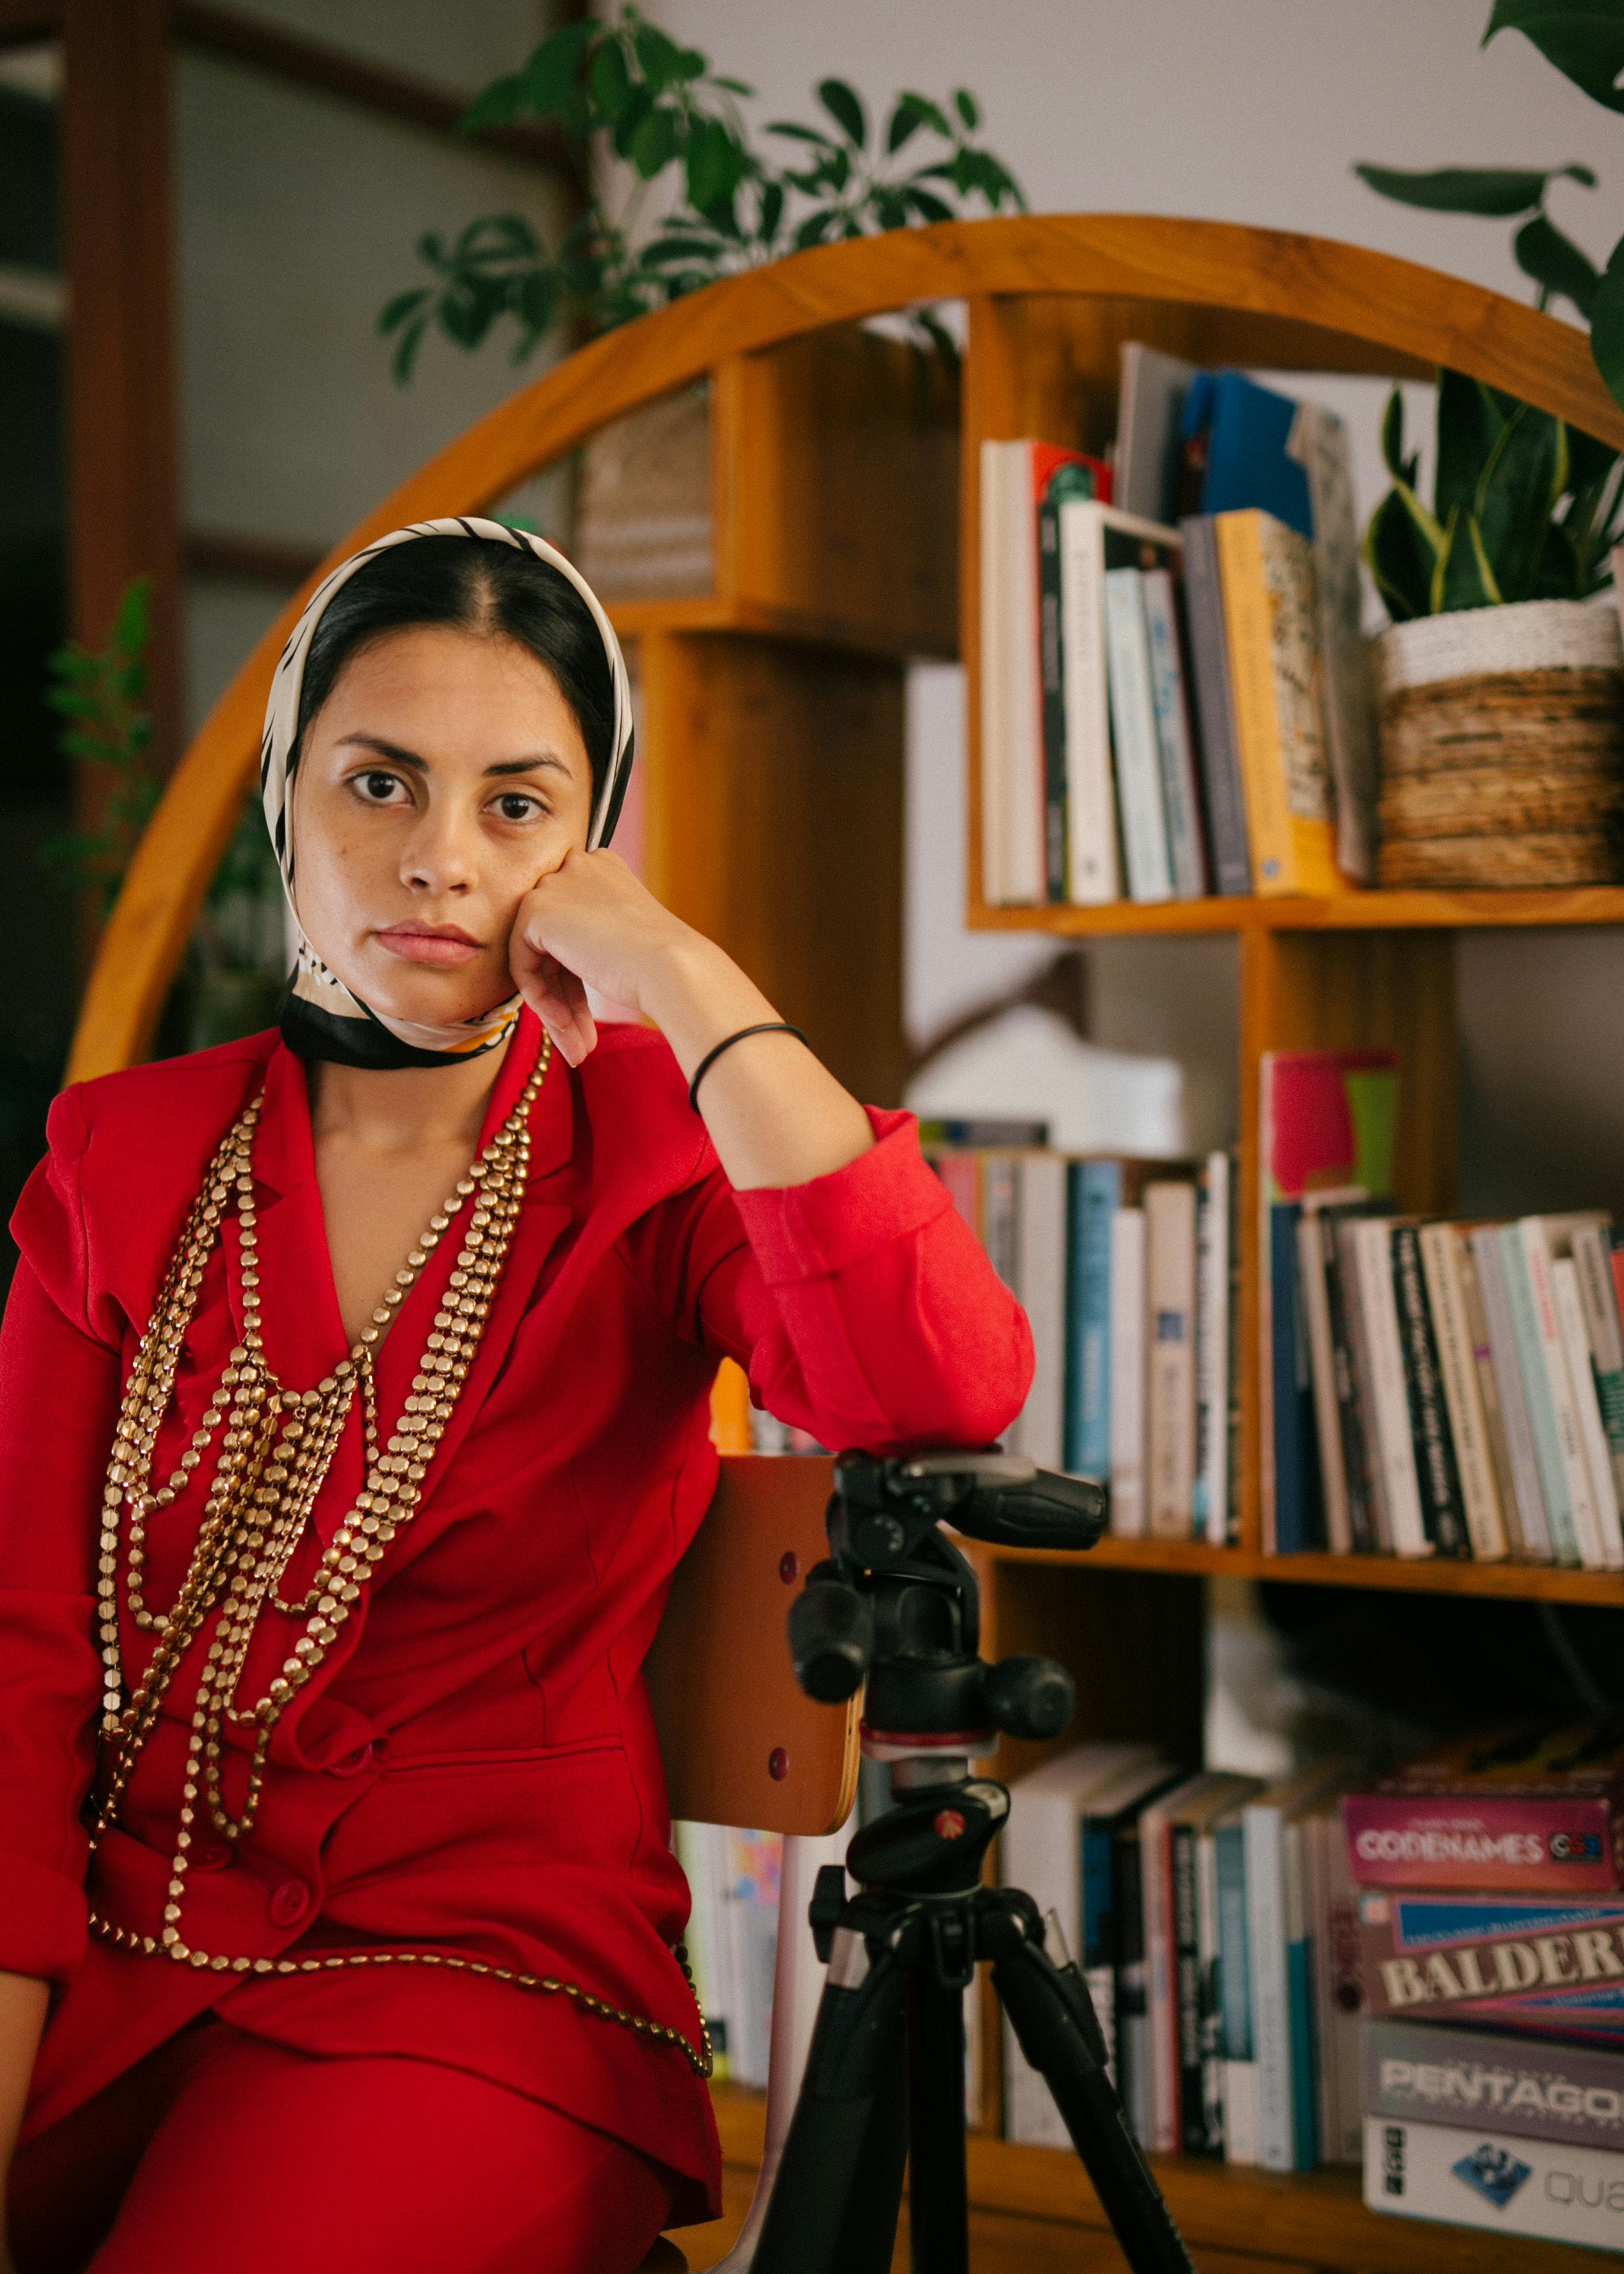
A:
(559, 999)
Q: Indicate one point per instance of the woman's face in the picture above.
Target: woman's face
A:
(443, 777)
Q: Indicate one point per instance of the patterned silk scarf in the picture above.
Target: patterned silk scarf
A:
(321, 1018)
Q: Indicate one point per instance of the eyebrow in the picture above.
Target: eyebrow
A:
(398, 756)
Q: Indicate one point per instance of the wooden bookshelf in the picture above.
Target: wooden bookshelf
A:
(844, 505)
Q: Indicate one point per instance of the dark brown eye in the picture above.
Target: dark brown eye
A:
(513, 806)
(378, 787)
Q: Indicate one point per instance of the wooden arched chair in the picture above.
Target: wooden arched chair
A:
(743, 1745)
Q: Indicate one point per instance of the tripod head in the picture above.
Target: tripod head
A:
(897, 1605)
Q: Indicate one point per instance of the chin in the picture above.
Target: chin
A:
(442, 999)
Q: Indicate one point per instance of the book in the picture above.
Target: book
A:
(1339, 1422)
(1214, 1251)
(1194, 1958)
(1490, 1400)
(1532, 1376)
(1318, 441)
(1056, 476)
(1533, 2089)
(1361, 1365)
(1482, 2178)
(1135, 748)
(1328, 1125)
(1506, 1376)
(1237, 2051)
(1041, 1281)
(1095, 538)
(1523, 1808)
(1339, 1997)
(1181, 804)
(998, 1225)
(1599, 1296)
(1164, 2055)
(1127, 1362)
(1134, 2061)
(1541, 1239)
(1279, 1944)
(700, 1849)
(1267, 575)
(1150, 417)
(1440, 1246)
(749, 1932)
(1442, 1510)
(1235, 443)
(980, 1129)
(1597, 1458)
(1094, 1196)
(1546, 1967)
(1041, 1852)
(1169, 1340)
(1109, 1812)
(1228, 836)
(1371, 1246)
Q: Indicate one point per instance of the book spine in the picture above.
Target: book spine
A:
(1240, 2085)
(1271, 2001)
(1042, 1279)
(1575, 1533)
(1346, 1383)
(1134, 740)
(1161, 2027)
(1495, 1280)
(1179, 799)
(1128, 1374)
(1300, 1995)
(1169, 1423)
(1298, 1523)
(1442, 1511)
(1598, 1461)
(1536, 1387)
(1212, 1353)
(1311, 1250)
(1051, 652)
(1091, 873)
(1226, 808)
(1209, 1995)
(1488, 1394)
(1097, 1195)
(1593, 1260)
(1379, 1307)
(1132, 2018)
(1187, 1994)
(1257, 720)
(1000, 1222)
(1545, 2190)
(1099, 1938)
(1439, 1269)
(1348, 1280)
(1339, 1924)
(1027, 869)
(994, 705)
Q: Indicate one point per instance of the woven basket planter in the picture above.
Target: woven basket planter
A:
(1502, 747)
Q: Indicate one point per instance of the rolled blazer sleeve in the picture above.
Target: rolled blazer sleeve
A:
(860, 1305)
(59, 1388)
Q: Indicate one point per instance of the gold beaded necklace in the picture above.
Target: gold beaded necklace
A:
(276, 1451)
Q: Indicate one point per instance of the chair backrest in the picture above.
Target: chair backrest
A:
(741, 1743)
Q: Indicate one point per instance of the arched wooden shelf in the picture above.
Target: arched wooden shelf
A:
(1259, 296)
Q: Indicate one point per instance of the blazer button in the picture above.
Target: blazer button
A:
(209, 1854)
(349, 1764)
(290, 1902)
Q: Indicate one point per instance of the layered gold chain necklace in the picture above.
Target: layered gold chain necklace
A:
(276, 1449)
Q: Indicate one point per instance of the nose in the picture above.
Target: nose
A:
(440, 855)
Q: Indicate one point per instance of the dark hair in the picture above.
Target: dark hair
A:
(485, 585)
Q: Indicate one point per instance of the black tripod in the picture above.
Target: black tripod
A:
(898, 1604)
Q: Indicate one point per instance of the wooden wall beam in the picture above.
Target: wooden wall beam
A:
(323, 70)
(118, 240)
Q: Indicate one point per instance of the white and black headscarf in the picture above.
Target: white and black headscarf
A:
(321, 1018)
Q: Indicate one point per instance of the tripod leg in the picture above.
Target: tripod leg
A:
(938, 2186)
(839, 2186)
(1051, 2014)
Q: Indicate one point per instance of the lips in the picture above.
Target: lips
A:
(438, 944)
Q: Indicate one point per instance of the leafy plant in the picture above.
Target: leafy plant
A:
(627, 90)
(99, 692)
(1585, 38)
(1524, 507)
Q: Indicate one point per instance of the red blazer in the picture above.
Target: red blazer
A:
(474, 1769)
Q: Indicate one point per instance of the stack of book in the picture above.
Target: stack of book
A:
(1493, 1898)
(1216, 1925)
(1169, 711)
(1431, 1387)
(1126, 1271)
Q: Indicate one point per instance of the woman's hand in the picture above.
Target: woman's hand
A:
(775, 1115)
(592, 923)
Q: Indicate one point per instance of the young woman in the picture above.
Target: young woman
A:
(353, 1415)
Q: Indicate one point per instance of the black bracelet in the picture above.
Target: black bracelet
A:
(767, 1027)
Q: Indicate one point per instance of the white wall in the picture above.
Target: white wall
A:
(1248, 110)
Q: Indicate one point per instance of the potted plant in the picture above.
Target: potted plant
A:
(1499, 685)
